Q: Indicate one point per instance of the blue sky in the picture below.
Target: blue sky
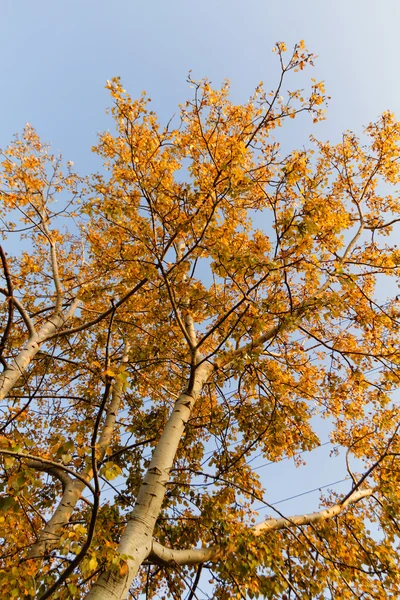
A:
(57, 56)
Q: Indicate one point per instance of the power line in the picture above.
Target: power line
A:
(271, 462)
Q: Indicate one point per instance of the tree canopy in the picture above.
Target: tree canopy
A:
(208, 296)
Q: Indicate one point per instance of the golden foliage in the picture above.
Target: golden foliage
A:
(201, 241)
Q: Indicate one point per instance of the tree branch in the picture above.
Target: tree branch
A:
(57, 472)
(72, 492)
(46, 462)
(315, 517)
(19, 364)
(168, 556)
(9, 294)
(54, 265)
(27, 320)
(102, 316)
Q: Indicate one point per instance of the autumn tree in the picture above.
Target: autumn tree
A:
(207, 297)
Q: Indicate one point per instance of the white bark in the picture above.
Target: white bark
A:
(31, 458)
(72, 492)
(50, 534)
(56, 472)
(19, 365)
(195, 556)
(315, 517)
(136, 541)
(191, 556)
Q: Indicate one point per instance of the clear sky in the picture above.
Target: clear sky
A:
(57, 55)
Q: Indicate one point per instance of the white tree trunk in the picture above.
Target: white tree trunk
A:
(136, 541)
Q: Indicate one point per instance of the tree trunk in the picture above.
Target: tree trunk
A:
(73, 489)
(136, 541)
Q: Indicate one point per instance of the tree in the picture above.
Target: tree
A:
(203, 299)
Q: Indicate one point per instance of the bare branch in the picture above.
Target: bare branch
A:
(54, 265)
(27, 320)
(167, 556)
(316, 517)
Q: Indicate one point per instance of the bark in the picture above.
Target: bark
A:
(136, 541)
(315, 517)
(20, 363)
(72, 492)
(46, 462)
(49, 537)
(102, 315)
(56, 472)
(191, 556)
(195, 556)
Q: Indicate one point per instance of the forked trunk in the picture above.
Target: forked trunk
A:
(136, 541)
